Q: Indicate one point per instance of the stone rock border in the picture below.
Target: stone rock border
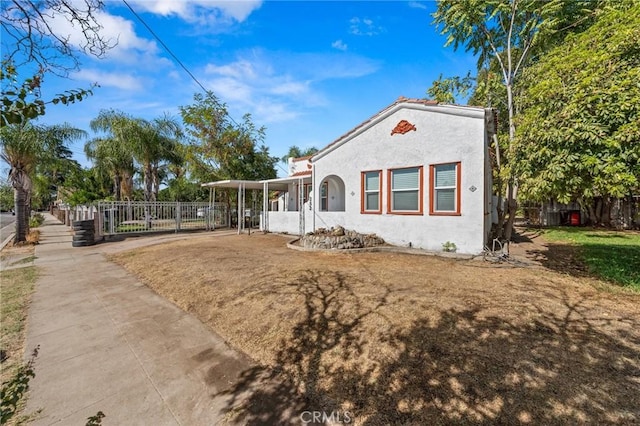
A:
(295, 244)
(339, 238)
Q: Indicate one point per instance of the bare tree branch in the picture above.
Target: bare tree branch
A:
(31, 37)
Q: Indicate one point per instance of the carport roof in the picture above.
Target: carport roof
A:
(248, 184)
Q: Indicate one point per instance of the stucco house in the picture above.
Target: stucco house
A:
(416, 174)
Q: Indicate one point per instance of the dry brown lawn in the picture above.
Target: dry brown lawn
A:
(404, 339)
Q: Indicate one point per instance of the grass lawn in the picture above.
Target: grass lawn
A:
(405, 339)
(15, 293)
(611, 255)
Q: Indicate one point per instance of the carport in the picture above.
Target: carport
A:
(242, 186)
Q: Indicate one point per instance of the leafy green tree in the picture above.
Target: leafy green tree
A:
(6, 197)
(296, 152)
(21, 101)
(84, 186)
(506, 34)
(234, 150)
(183, 189)
(579, 130)
(445, 90)
(23, 147)
(221, 148)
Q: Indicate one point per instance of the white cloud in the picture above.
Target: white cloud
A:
(328, 66)
(107, 79)
(201, 11)
(417, 5)
(290, 88)
(364, 26)
(239, 69)
(254, 85)
(279, 86)
(339, 44)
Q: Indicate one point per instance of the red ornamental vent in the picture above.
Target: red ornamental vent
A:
(403, 127)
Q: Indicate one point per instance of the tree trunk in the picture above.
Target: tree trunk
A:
(156, 183)
(22, 215)
(606, 212)
(126, 186)
(512, 204)
(148, 182)
(593, 220)
(632, 211)
(116, 187)
(499, 229)
(598, 212)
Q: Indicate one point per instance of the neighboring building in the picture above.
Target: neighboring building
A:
(416, 174)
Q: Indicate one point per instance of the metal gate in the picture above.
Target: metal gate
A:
(121, 217)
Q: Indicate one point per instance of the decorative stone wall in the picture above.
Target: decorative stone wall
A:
(339, 238)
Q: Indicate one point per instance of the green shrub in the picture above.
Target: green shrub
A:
(36, 220)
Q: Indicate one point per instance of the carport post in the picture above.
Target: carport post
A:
(212, 209)
(265, 206)
(240, 208)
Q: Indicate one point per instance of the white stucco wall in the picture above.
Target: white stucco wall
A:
(289, 221)
(297, 165)
(444, 134)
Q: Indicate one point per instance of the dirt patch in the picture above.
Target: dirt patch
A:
(392, 338)
(563, 258)
(13, 256)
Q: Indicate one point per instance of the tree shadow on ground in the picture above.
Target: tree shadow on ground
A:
(470, 369)
(333, 316)
(458, 367)
(559, 257)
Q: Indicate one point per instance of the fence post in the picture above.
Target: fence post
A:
(178, 216)
(112, 228)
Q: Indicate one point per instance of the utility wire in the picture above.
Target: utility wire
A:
(164, 45)
(178, 60)
(193, 77)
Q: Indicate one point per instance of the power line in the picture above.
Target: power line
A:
(164, 46)
(162, 43)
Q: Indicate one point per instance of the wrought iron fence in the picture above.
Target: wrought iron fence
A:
(120, 217)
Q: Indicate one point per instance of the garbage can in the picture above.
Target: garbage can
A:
(574, 219)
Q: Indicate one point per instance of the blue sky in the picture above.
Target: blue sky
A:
(307, 71)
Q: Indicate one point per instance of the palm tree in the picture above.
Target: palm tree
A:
(153, 142)
(113, 157)
(113, 153)
(147, 142)
(24, 147)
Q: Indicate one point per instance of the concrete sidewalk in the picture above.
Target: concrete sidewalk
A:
(109, 343)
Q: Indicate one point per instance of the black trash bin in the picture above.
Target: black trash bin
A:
(84, 233)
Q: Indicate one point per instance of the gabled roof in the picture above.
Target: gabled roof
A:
(400, 103)
(302, 173)
(306, 157)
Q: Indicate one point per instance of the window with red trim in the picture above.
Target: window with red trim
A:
(444, 189)
(371, 192)
(405, 194)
